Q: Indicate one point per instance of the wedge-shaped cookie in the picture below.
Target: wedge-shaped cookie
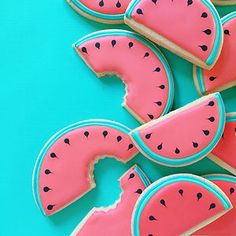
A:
(190, 28)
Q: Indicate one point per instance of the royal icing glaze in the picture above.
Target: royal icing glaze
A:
(183, 136)
(70, 154)
(116, 220)
(178, 205)
(224, 153)
(225, 225)
(106, 11)
(223, 74)
(141, 66)
(192, 29)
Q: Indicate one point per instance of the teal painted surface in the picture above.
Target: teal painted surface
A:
(45, 87)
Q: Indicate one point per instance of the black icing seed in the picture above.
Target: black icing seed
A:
(154, 1)
(163, 202)
(47, 172)
(130, 146)
(131, 176)
(84, 49)
(139, 11)
(190, 2)
(86, 134)
(177, 151)
(226, 32)
(181, 192)
(131, 44)
(231, 190)
(204, 15)
(206, 132)
(199, 196)
(212, 78)
(118, 5)
(105, 133)
(159, 147)
(150, 234)
(50, 207)
(148, 136)
(146, 54)
(195, 145)
(211, 104)
(211, 119)
(150, 116)
(159, 103)
(162, 86)
(139, 191)
(67, 141)
(207, 31)
(101, 3)
(203, 47)
(152, 218)
(158, 69)
(53, 155)
(113, 43)
(222, 136)
(119, 138)
(212, 206)
(97, 45)
(46, 189)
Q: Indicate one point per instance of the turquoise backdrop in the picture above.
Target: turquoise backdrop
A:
(45, 86)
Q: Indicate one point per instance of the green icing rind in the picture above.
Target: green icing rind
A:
(148, 44)
(147, 195)
(218, 39)
(59, 134)
(221, 177)
(230, 118)
(187, 160)
(142, 176)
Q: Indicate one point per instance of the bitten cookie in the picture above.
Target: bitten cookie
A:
(190, 28)
(64, 169)
(104, 11)
(183, 136)
(223, 2)
(116, 219)
(223, 74)
(178, 205)
(224, 154)
(225, 225)
(141, 66)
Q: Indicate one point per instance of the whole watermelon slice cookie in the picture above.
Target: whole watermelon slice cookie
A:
(104, 11)
(183, 136)
(178, 205)
(141, 66)
(64, 169)
(115, 220)
(225, 225)
(224, 154)
(192, 28)
(223, 74)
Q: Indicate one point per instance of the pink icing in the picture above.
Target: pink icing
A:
(147, 89)
(181, 212)
(182, 130)
(71, 169)
(224, 71)
(111, 7)
(183, 25)
(225, 149)
(116, 221)
(225, 225)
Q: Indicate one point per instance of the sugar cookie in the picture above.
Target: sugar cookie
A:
(104, 11)
(64, 169)
(225, 225)
(116, 219)
(223, 74)
(223, 2)
(224, 154)
(178, 205)
(141, 66)
(190, 28)
(183, 136)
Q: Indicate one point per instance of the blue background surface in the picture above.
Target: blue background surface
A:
(46, 86)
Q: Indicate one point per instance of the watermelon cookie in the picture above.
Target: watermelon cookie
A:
(224, 154)
(178, 205)
(105, 11)
(225, 225)
(223, 74)
(223, 2)
(64, 169)
(192, 28)
(141, 66)
(116, 219)
(183, 136)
